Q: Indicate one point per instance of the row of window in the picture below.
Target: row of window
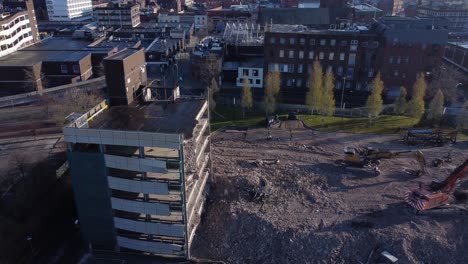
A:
(299, 83)
(399, 60)
(64, 68)
(291, 68)
(14, 22)
(321, 56)
(13, 34)
(322, 42)
(11, 45)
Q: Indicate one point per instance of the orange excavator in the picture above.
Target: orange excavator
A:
(437, 193)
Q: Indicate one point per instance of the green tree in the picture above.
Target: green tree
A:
(401, 102)
(375, 101)
(436, 107)
(416, 104)
(272, 88)
(212, 90)
(328, 94)
(314, 97)
(247, 101)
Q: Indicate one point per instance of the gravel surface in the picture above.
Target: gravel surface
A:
(291, 200)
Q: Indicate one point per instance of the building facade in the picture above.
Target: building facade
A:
(118, 15)
(350, 53)
(140, 170)
(69, 10)
(457, 16)
(18, 26)
(412, 46)
(456, 54)
(391, 7)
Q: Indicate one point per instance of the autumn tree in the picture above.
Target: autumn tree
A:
(314, 97)
(328, 94)
(436, 107)
(212, 90)
(247, 101)
(416, 106)
(272, 88)
(375, 101)
(208, 69)
(401, 102)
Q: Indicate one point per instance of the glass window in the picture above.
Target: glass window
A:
(339, 70)
(390, 60)
(301, 54)
(291, 54)
(76, 68)
(302, 41)
(272, 40)
(255, 73)
(371, 73)
(312, 42)
(311, 55)
(245, 72)
(282, 40)
(298, 83)
(350, 73)
(292, 41)
(321, 55)
(64, 68)
(333, 42)
(352, 59)
(399, 59)
(300, 68)
(331, 56)
(342, 56)
(344, 43)
(281, 53)
(323, 42)
(291, 68)
(354, 45)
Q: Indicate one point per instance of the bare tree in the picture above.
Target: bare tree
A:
(208, 69)
(212, 90)
(446, 78)
(32, 82)
(73, 101)
(19, 160)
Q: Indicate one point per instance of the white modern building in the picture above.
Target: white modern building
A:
(253, 71)
(67, 10)
(18, 27)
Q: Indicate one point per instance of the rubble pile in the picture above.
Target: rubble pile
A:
(294, 202)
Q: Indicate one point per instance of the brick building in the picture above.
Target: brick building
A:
(118, 15)
(350, 53)
(412, 45)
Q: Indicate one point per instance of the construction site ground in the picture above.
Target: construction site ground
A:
(291, 200)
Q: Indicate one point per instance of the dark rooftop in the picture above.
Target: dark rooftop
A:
(162, 117)
(56, 43)
(122, 54)
(69, 56)
(28, 58)
(302, 16)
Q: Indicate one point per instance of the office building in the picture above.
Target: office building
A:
(69, 10)
(118, 15)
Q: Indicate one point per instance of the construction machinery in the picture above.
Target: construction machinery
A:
(438, 136)
(370, 157)
(437, 193)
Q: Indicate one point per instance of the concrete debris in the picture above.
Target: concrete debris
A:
(309, 209)
(389, 256)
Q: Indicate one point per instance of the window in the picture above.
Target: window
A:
(64, 68)
(323, 42)
(350, 73)
(407, 59)
(76, 68)
(292, 41)
(298, 83)
(331, 56)
(245, 72)
(299, 68)
(309, 69)
(255, 73)
(311, 55)
(291, 54)
(396, 73)
(272, 40)
(344, 43)
(352, 59)
(257, 81)
(339, 71)
(399, 59)
(307, 83)
(289, 82)
(312, 42)
(371, 73)
(390, 60)
(333, 42)
(282, 40)
(291, 68)
(301, 54)
(342, 56)
(365, 44)
(281, 53)
(321, 55)
(302, 41)
(354, 45)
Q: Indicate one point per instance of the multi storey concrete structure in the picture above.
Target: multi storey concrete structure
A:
(140, 169)
(118, 15)
(67, 10)
(18, 26)
(456, 15)
(456, 54)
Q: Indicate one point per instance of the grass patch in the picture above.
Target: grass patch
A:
(227, 115)
(386, 124)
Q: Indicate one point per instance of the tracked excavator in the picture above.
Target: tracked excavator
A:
(370, 157)
(437, 193)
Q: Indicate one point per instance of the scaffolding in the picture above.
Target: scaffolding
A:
(243, 34)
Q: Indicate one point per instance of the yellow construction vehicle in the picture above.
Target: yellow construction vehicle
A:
(370, 157)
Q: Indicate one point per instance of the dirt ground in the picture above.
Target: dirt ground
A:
(288, 200)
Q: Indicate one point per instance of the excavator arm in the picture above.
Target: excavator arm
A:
(418, 155)
(448, 185)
